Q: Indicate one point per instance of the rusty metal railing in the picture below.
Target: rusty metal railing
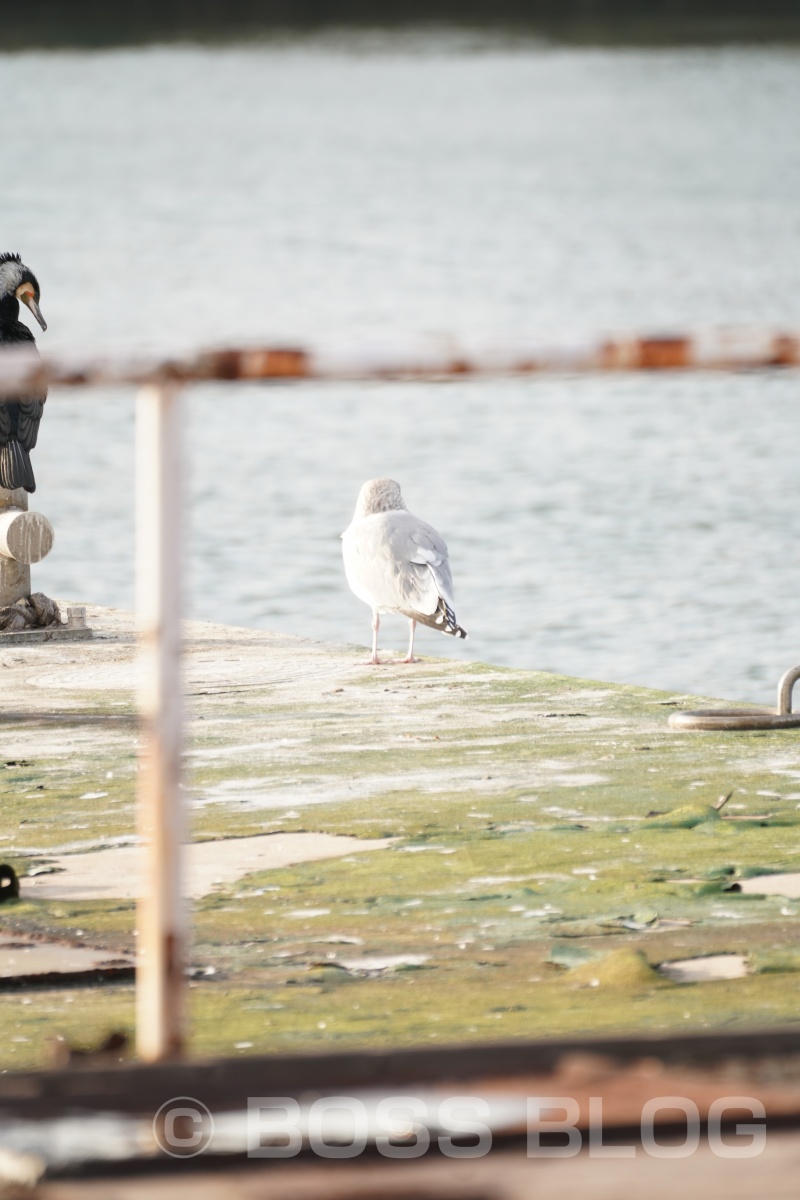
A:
(161, 919)
(414, 358)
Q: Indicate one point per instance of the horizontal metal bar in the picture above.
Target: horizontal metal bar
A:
(410, 358)
(733, 718)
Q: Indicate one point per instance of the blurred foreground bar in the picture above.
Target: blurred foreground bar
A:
(413, 357)
(627, 1101)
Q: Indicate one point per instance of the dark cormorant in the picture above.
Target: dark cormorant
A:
(20, 417)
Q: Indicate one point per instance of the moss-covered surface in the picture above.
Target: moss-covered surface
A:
(554, 841)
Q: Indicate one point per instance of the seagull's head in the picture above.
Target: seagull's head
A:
(18, 283)
(378, 496)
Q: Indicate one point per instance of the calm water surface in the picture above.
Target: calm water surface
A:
(639, 529)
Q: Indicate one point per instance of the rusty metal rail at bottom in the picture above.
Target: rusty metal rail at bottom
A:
(550, 1110)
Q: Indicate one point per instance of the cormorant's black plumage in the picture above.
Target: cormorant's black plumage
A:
(20, 416)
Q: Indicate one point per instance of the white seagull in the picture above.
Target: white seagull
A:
(396, 563)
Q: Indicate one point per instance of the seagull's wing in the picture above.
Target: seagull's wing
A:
(426, 552)
(397, 563)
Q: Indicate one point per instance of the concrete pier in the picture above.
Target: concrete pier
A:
(535, 848)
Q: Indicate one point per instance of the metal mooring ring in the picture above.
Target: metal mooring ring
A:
(746, 718)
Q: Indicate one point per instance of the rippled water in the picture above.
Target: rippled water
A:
(640, 528)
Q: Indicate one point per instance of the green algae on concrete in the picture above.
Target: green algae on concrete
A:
(519, 804)
(623, 968)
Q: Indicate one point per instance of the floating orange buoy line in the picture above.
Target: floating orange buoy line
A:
(419, 357)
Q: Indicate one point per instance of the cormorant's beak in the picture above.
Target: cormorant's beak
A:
(27, 298)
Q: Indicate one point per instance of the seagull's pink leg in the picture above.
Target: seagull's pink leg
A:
(376, 624)
(410, 656)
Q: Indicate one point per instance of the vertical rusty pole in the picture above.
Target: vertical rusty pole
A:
(160, 917)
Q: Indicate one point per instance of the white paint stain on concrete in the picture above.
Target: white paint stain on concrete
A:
(116, 873)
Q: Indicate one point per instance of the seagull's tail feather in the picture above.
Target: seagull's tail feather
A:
(443, 619)
(15, 467)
